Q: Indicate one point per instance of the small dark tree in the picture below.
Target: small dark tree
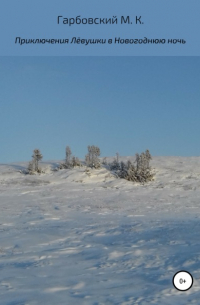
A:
(33, 164)
(143, 170)
(139, 173)
(37, 156)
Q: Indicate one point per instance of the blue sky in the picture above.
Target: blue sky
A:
(37, 19)
(122, 104)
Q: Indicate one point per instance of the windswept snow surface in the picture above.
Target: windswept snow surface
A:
(76, 237)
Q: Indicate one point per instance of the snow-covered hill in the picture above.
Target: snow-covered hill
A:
(86, 237)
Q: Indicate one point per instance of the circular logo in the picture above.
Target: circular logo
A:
(182, 280)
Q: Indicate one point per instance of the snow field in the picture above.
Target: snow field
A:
(70, 237)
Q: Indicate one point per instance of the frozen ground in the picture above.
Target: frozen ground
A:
(71, 237)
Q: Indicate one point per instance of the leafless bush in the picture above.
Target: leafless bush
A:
(91, 159)
(70, 161)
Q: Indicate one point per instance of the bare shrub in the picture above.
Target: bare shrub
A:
(70, 161)
(91, 159)
(76, 162)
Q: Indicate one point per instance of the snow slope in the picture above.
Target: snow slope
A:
(76, 237)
